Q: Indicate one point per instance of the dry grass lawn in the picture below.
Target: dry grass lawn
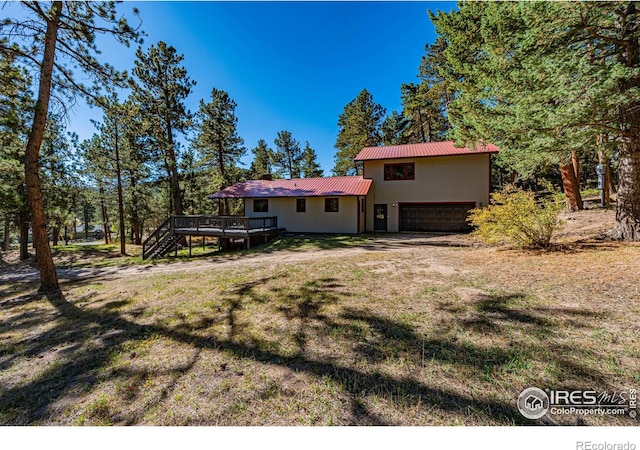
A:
(398, 330)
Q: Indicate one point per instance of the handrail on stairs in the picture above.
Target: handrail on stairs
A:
(155, 239)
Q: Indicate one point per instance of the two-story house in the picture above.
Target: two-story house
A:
(414, 187)
(425, 187)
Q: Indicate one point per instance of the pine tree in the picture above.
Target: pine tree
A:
(218, 142)
(287, 158)
(547, 79)
(217, 138)
(196, 182)
(359, 127)
(310, 166)
(46, 34)
(137, 168)
(425, 111)
(58, 182)
(262, 163)
(97, 170)
(161, 90)
(394, 129)
(113, 136)
(511, 90)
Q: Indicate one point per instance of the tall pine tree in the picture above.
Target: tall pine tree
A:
(161, 91)
(395, 129)
(547, 78)
(287, 159)
(218, 142)
(359, 127)
(217, 137)
(262, 163)
(310, 166)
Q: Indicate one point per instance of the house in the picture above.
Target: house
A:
(312, 205)
(425, 187)
(414, 187)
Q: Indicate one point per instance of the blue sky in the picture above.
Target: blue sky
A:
(288, 65)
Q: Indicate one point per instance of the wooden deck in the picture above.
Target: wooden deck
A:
(224, 226)
(167, 236)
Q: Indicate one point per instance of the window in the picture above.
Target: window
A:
(405, 171)
(301, 205)
(330, 205)
(261, 205)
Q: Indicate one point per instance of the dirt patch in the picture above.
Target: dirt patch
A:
(586, 224)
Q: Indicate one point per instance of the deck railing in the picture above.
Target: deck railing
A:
(196, 224)
(224, 223)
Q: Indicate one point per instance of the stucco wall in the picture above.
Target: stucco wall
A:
(463, 178)
(315, 219)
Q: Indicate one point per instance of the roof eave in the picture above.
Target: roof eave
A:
(479, 152)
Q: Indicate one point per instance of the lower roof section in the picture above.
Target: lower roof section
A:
(297, 187)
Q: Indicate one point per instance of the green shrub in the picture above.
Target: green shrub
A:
(516, 218)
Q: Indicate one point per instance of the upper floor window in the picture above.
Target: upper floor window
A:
(301, 205)
(330, 205)
(403, 171)
(261, 205)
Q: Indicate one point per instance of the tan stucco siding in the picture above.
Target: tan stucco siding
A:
(437, 180)
(315, 219)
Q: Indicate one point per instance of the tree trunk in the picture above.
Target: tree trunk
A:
(611, 187)
(627, 225)
(123, 236)
(136, 229)
(7, 228)
(575, 161)
(48, 276)
(422, 136)
(86, 221)
(136, 226)
(628, 201)
(105, 219)
(173, 169)
(56, 235)
(24, 239)
(571, 187)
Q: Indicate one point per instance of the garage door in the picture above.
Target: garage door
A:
(435, 216)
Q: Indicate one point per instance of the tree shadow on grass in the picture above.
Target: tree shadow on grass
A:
(88, 340)
(535, 330)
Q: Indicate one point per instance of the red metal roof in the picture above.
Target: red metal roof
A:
(298, 187)
(419, 150)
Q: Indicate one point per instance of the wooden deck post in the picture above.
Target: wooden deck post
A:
(189, 246)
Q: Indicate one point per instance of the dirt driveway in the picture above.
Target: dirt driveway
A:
(22, 272)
